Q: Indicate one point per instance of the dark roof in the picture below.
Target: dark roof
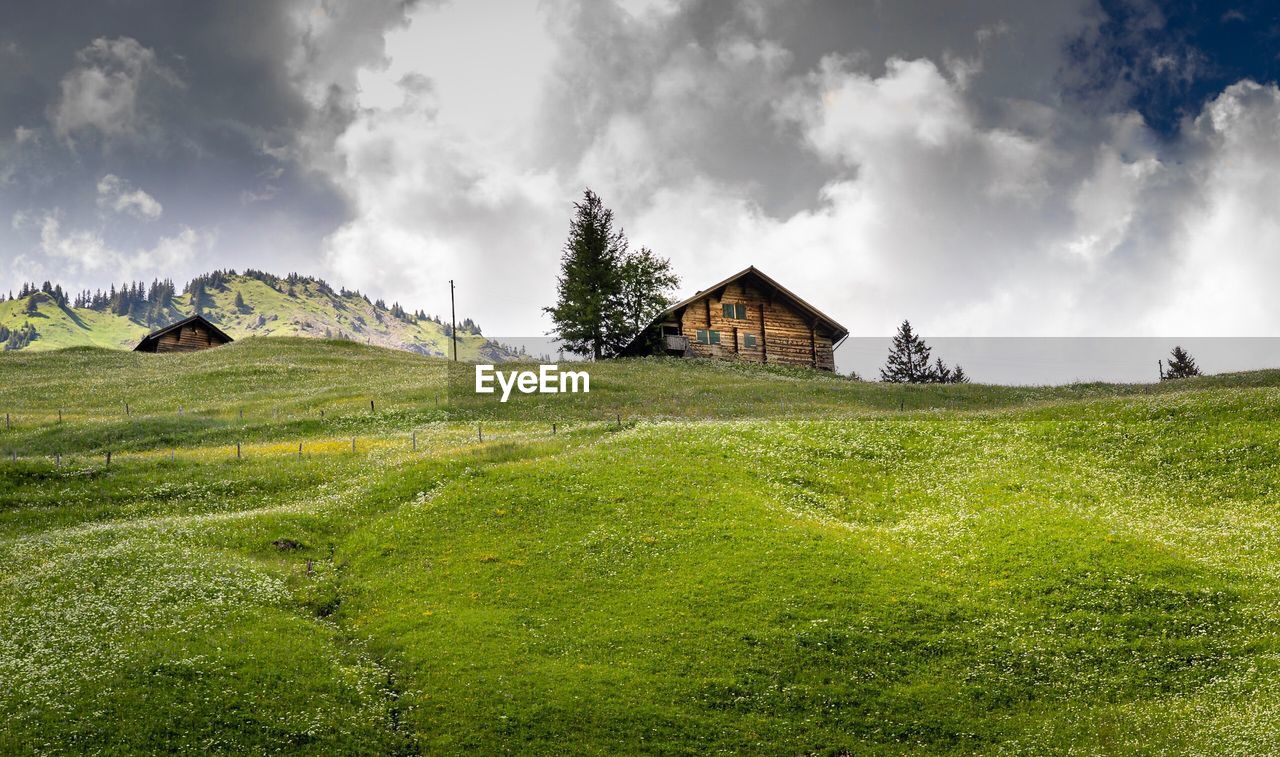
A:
(838, 332)
(155, 335)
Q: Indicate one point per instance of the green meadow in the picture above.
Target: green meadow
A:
(702, 558)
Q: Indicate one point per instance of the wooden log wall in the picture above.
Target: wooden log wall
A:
(784, 334)
(187, 339)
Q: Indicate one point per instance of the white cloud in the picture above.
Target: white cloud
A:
(103, 93)
(438, 171)
(1225, 256)
(430, 205)
(854, 116)
(118, 195)
(972, 228)
(75, 253)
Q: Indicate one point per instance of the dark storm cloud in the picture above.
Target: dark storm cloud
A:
(721, 127)
(224, 111)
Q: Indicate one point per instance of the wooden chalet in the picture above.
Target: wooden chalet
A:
(748, 316)
(187, 335)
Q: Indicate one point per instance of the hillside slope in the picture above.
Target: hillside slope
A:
(241, 305)
(698, 558)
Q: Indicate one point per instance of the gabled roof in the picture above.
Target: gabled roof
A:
(155, 335)
(838, 332)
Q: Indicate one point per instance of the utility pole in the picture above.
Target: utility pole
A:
(453, 321)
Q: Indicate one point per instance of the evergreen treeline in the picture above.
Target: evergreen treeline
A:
(152, 305)
(16, 340)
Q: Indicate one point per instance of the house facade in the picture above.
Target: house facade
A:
(749, 317)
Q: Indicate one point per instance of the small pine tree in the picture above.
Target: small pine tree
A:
(958, 376)
(1181, 365)
(941, 373)
(908, 361)
(239, 302)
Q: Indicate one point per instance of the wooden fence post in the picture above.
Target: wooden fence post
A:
(6, 422)
(353, 444)
(299, 450)
(553, 429)
(241, 413)
(57, 459)
(108, 458)
(59, 416)
(415, 440)
(479, 432)
(126, 408)
(237, 450)
(371, 406)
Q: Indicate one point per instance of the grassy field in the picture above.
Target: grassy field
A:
(701, 558)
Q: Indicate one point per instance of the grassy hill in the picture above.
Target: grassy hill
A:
(269, 306)
(702, 557)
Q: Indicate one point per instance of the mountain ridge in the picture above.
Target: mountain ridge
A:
(252, 303)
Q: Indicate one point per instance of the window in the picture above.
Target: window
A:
(735, 310)
(707, 336)
(750, 342)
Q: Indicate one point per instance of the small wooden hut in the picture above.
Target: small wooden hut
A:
(187, 335)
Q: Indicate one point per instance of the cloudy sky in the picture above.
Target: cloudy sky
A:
(984, 168)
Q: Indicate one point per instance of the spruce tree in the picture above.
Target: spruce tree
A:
(940, 373)
(908, 361)
(589, 281)
(1181, 365)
